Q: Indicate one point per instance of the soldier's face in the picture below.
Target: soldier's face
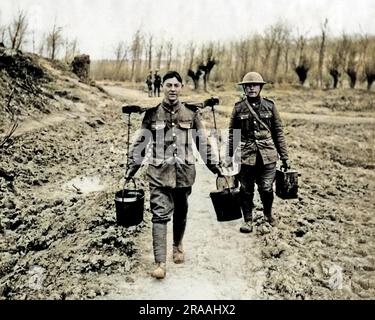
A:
(172, 89)
(252, 90)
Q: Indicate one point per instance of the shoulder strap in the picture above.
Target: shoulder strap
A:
(256, 116)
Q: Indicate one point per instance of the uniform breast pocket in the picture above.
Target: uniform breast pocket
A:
(158, 125)
(185, 124)
(184, 130)
(266, 117)
(265, 114)
(244, 121)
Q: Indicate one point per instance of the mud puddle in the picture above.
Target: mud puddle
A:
(84, 185)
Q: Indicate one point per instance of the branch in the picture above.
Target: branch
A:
(6, 141)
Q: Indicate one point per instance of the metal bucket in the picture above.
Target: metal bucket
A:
(129, 206)
(287, 184)
(226, 203)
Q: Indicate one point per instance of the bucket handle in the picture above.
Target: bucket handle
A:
(126, 181)
(288, 170)
(123, 188)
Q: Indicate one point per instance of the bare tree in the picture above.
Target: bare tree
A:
(17, 30)
(351, 69)
(336, 61)
(121, 54)
(42, 44)
(136, 51)
(195, 76)
(7, 141)
(169, 49)
(322, 48)
(242, 48)
(281, 33)
(178, 59)
(54, 41)
(33, 41)
(159, 54)
(370, 62)
(191, 52)
(149, 47)
(269, 44)
(2, 34)
(206, 67)
(334, 65)
(229, 61)
(352, 63)
(256, 46)
(70, 49)
(73, 47)
(286, 54)
(370, 74)
(303, 64)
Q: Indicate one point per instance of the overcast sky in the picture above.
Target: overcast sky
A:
(100, 24)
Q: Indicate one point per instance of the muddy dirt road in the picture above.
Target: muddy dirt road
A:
(216, 266)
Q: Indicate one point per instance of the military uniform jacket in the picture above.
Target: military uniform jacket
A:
(157, 81)
(169, 136)
(149, 80)
(254, 136)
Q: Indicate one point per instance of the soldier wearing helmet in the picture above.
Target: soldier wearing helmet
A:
(262, 143)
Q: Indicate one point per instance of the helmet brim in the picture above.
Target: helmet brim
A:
(252, 82)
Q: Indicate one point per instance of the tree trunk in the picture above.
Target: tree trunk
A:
(370, 79)
(353, 77)
(322, 52)
(335, 75)
(302, 73)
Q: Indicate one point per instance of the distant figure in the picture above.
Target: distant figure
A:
(262, 141)
(149, 83)
(157, 83)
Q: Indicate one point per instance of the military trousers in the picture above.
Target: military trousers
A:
(167, 203)
(156, 90)
(264, 176)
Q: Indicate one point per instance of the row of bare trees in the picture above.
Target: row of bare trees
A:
(281, 55)
(321, 61)
(53, 44)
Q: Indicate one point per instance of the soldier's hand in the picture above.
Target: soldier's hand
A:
(128, 176)
(285, 165)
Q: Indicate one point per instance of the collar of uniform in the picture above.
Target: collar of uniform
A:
(254, 101)
(171, 108)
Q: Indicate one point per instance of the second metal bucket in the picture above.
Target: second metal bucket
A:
(226, 203)
(287, 184)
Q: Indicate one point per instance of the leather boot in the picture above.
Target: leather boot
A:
(160, 271)
(247, 211)
(159, 236)
(178, 254)
(246, 227)
(267, 200)
(178, 234)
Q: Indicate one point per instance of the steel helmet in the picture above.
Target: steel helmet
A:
(252, 77)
